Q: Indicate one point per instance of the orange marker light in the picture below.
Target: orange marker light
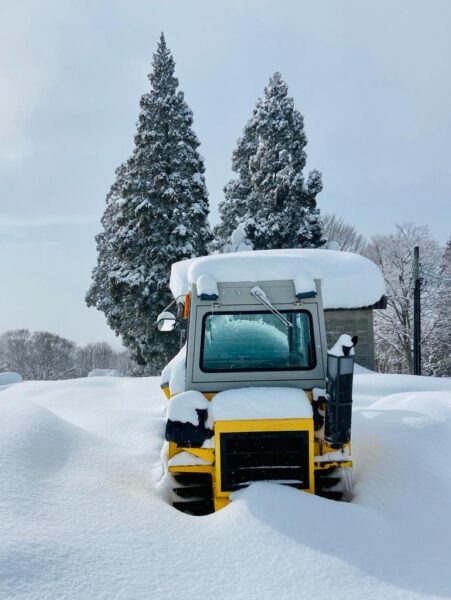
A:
(186, 306)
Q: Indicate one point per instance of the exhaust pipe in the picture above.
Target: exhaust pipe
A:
(340, 369)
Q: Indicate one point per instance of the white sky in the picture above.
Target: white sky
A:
(372, 79)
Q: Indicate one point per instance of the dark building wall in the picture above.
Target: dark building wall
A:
(353, 322)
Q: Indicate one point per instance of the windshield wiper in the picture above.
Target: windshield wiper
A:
(258, 293)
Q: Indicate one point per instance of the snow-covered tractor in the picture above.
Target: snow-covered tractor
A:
(254, 394)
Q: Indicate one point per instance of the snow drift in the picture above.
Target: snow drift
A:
(9, 378)
(80, 518)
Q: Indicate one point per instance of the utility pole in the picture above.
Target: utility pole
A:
(416, 313)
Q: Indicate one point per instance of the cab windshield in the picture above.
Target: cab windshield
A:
(257, 341)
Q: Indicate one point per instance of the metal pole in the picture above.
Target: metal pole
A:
(416, 313)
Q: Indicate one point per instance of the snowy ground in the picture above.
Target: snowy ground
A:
(80, 519)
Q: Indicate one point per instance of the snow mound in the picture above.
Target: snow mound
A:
(9, 378)
(80, 516)
(183, 407)
(359, 370)
(348, 280)
(35, 440)
(105, 373)
(369, 386)
(343, 342)
(174, 373)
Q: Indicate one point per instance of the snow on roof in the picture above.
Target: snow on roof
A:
(348, 280)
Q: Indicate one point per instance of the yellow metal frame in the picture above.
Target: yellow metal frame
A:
(222, 497)
(207, 454)
(212, 455)
(193, 469)
(322, 449)
(333, 463)
(168, 395)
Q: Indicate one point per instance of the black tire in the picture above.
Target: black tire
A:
(195, 491)
(334, 483)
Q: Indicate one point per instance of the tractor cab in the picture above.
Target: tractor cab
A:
(252, 394)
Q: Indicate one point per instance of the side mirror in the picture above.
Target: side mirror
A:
(166, 321)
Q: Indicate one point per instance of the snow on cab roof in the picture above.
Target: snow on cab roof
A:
(348, 280)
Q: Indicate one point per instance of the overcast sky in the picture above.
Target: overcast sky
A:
(372, 79)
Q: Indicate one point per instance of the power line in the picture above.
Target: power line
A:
(441, 277)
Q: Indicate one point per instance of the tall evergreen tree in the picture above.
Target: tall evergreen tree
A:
(156, 214)
(233, 208)
(270, 195)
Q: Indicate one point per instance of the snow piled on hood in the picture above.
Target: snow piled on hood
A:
(80, 517)
(348, 280)
(183, 407)
(261, 403)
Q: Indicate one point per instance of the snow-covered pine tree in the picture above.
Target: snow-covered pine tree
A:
(238, 241)
(270, 195)
(156, 214)
(233, 208)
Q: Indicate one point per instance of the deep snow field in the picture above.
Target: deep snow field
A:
(80, 517)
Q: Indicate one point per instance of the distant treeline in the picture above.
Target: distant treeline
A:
(45, 356)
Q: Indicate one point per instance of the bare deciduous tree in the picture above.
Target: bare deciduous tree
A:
(97, 355)
(42, 355)
(394, 326)
(15, 352)
(51, 356)
(337, 230)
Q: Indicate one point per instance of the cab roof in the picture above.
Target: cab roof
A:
(348, 280)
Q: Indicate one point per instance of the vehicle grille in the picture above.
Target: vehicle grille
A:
(280, 456)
